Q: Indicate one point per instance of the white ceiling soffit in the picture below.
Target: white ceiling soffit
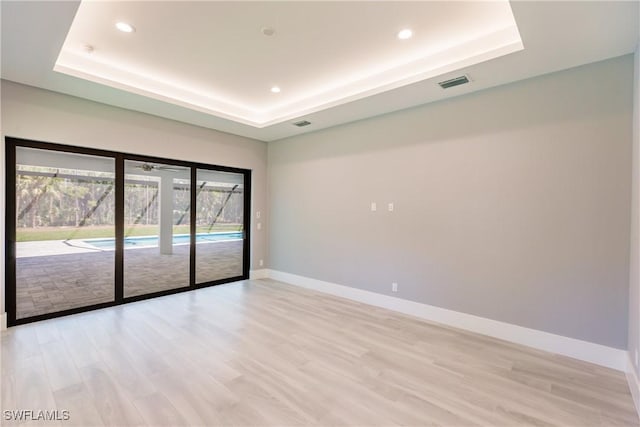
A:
(214, 56)
(209, 64)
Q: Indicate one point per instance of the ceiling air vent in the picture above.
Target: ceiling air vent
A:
(302, 123)
(454, 82)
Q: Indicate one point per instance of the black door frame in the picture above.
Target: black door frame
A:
(119, 158)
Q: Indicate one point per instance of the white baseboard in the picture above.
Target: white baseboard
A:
(259, 274)
(634, 383)
(583, 350)
(3, 322)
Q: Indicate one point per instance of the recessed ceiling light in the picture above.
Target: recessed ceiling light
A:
(124, 27)
(275, 89)
(405, 34)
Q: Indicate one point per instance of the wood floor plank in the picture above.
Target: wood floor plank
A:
(126, 374)
(32, 390)
(61, 370)
(8, 392)
(158, 411)
(18, 344)
(79, 346)
(81, 407)
(260, 352)
(113, 404)
(198, 398)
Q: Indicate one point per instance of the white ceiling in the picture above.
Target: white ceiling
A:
(208, 63)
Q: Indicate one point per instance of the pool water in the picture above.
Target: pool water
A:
(178, 239)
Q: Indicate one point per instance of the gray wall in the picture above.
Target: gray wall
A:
(634, 277)
(512, 203)
(37, 114)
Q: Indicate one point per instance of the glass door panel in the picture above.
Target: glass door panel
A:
(156, 227)
(219, 225)
(65, 212)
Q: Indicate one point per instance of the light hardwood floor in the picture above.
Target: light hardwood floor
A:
(265, 353)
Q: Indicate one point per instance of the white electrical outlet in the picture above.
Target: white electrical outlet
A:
(258, 214)
(259, 226)
(261, 262)
(394, 287)
(374, 207)
(391, 207)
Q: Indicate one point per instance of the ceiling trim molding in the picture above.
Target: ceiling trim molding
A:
(84, 65)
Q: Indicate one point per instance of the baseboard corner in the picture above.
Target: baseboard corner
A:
(263, 273)
(634, 383)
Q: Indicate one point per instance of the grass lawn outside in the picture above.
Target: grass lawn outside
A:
(93, 232)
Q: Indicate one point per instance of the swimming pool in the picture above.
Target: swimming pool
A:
(178, 239)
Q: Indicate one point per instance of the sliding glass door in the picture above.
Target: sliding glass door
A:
(93, 228)
(157, 240)
(63, 203)
(220, 225)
